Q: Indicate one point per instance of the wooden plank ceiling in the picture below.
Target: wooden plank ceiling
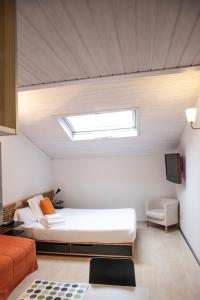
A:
(60, 40)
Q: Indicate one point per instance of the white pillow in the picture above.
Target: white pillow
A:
(25, 215)
(34, 204)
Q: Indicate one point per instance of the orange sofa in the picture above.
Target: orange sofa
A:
(17, 260)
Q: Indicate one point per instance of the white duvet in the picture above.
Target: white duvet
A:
(89, 225)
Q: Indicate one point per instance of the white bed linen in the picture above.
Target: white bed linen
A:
(89, 225)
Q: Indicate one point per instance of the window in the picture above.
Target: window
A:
(113, 124)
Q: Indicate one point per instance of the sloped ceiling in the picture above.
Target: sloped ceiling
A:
(60, 40)
(161, 100)
(63, 41)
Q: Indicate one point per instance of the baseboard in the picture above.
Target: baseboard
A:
(187, 242)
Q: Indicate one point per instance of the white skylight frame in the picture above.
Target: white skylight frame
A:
(67, 122)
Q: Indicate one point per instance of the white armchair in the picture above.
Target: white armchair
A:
(162, 211)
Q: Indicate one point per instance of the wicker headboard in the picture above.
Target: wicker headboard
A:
(9, 210)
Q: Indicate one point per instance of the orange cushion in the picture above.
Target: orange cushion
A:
(47, 207)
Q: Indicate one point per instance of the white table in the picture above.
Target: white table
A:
(103, 292)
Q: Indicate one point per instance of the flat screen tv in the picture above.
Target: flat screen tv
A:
(173, 165)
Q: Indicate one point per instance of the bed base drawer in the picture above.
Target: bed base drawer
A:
(91, 249)
(83, 249)
(53, 248)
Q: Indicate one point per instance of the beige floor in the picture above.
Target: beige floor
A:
(163, 263)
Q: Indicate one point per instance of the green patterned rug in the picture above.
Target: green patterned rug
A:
(51, 290)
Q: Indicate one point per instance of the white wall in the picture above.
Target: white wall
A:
(189, 192)
(26, 170)
(112, 182)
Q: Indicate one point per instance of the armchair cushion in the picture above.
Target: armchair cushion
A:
(155, 213)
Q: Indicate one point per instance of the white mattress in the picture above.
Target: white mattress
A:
(89, 225)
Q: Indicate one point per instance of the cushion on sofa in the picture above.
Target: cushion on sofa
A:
(17, 260)
(155, 213)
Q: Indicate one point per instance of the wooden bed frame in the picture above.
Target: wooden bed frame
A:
(70, 248)
(84, 249)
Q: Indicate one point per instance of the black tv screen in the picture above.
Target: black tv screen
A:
(173, 167)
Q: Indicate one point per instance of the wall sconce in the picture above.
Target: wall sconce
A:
(54, 195)
(191, 116)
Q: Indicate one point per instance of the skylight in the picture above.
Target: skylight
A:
(100, 125)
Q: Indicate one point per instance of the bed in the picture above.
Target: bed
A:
(87, 232)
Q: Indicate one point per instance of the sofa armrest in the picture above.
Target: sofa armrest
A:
(171, 213)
